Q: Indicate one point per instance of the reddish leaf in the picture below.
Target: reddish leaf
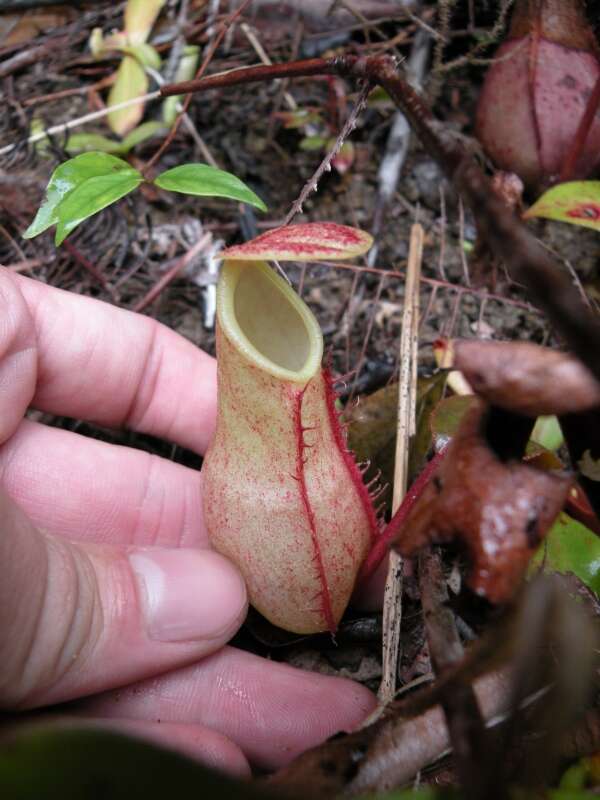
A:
(577, 202)
(315, 241)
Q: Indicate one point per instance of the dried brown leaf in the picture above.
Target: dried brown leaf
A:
(499, 511)
(525, 378)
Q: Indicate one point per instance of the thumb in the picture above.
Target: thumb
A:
(79, 619)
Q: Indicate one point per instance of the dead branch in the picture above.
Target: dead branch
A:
(388, 753)
(461, 711)
(412, 733)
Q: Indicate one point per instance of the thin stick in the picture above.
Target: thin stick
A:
(325, 165)
(227, 23)
(75, 123)
(407, 400)
(90, 267)
(172, 273)
(260, 52)
(187, 121)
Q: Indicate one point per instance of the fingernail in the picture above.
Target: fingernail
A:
(187, 594)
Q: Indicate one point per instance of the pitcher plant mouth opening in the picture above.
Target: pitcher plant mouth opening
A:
(267, 321)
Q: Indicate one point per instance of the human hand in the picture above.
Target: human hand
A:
(106, 576)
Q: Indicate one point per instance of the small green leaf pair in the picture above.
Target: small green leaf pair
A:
(89, 182)
(96, 142)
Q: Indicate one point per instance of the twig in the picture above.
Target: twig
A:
(325, 165)
(398, 142)
(260, 52)
(489, 39)
(242, 75)
(202, 69)
(48, 98)
(172, 273)
(14, 243)
(365, 343)
(461, 241)
(406, 428)
(435, 283)
(25, 58)
(463, 718)
(443, 221)
(75, 123)
(28, 264)
(90, 267)
(187, 121)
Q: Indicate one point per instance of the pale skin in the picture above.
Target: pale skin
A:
(109, 592)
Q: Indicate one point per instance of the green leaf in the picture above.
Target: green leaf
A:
(140, 134)
(577, 202)
(310, 143)
(379, 98)
(140, 16)
(38, 126)
(424, 793)
(90, 142)
(298, 118)
(206, 181)
(447, 416)
(145, 54)
(96, 42)
(571, 547)
(92, 196)
(548, 433)
(66, 178)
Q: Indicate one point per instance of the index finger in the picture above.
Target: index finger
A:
(119, 369)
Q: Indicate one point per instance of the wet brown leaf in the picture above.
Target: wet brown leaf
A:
(525, 378)
(499, 511)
